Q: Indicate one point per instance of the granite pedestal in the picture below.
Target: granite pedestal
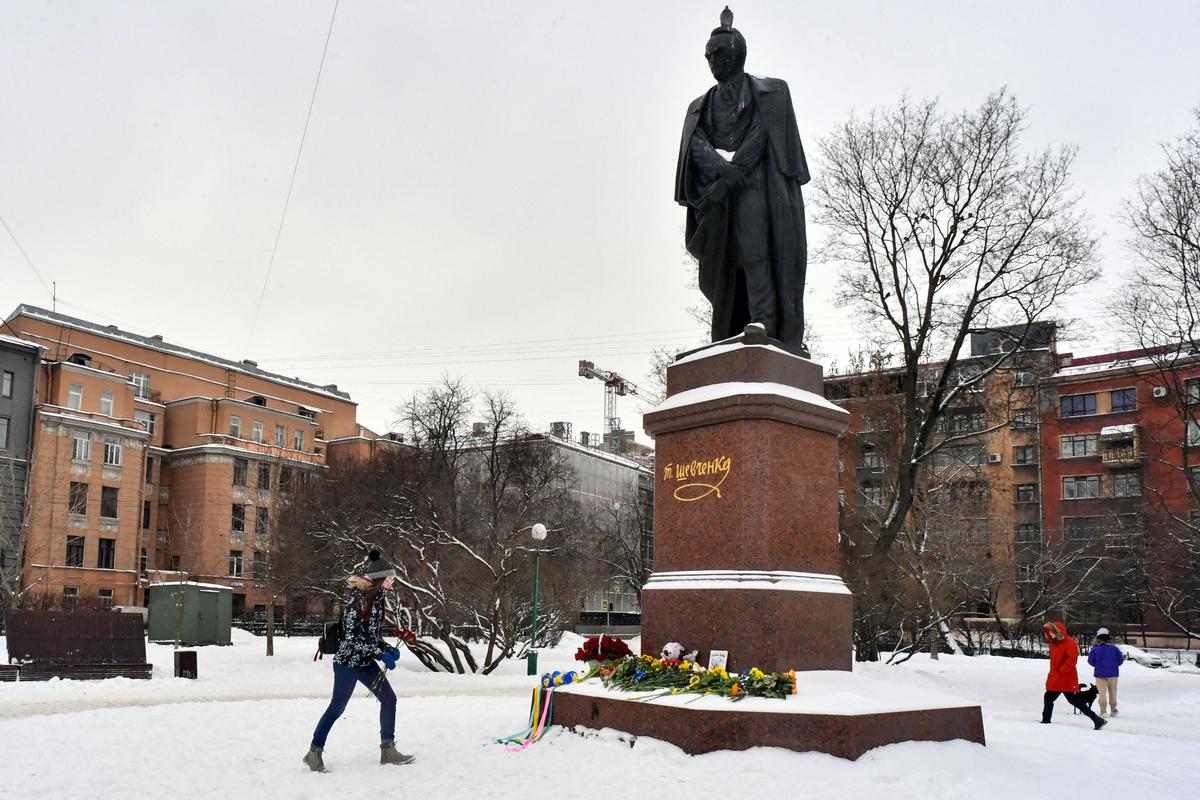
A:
(746, 558)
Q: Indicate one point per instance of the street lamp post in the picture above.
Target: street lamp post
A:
(538, 532)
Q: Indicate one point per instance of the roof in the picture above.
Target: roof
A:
(157, 343)
(15, 342)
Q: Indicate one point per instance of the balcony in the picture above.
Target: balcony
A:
(1121, 446)
(868, 474)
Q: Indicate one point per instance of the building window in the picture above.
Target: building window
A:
(1124, 400)
(141, 384)
(145, 515)
(874, 460)
(1027, 493)
(1025, 454)
(3, 433)
(1022, 378)
(285, 479)
(977, 532)
(1078, 446)
(873, 495)
(238, 520)
(1127, 484)
(108, 502)
(81, 446)
(6, 384)
(256, 431)
(143, 561)
(77, 504)
(1022, 417)
(260, 565)
(1191, 390)
(1077, 405)
(280, 435)
(1193, 433)
(299, 440)
(262, 520)
(106, 598)
(106, 403)
(264, 476)
(241, 467)
(70, 595)
(235, 427)
(112, 451)
(1028, 533)
(874, 422)
(1027, 573)
(149, 470)
(146, 418)
(74, 551)
(235, 563)
(75, 397)
(106, 554)
(1081, 529)
(1081, 487)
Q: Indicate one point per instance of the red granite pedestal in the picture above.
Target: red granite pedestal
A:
(746, 556)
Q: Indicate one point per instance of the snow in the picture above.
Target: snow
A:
(720, 391)
(241, 727)
(718, 348)
(1118, 430)
(748, 579)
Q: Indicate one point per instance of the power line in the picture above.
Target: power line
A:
(25, 255)
(292, 182)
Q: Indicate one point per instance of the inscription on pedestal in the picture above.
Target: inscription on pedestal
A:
(698, 479)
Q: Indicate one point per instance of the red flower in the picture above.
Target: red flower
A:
(602, 648)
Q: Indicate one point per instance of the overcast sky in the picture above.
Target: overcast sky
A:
(486, 188)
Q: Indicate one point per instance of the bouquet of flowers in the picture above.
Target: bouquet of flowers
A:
(675, 676)
(602, 649)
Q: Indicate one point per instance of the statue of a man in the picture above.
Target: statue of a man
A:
(741, 166)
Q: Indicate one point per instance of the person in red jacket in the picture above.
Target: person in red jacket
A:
(1063, 679)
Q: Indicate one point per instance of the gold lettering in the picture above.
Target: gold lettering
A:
(691, 490)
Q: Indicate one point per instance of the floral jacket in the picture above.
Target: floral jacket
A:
(362, 639)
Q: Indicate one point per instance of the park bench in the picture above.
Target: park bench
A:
(79, 645)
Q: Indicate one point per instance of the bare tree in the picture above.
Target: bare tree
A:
(624, 533)
(945, 229)
(453, 513)
(1159, 310)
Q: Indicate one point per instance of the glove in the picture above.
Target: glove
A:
(406, 635)
(389, 656)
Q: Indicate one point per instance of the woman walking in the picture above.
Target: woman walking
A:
(1063, 679)
(354, 662)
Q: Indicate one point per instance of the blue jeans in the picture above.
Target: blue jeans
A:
(344, 679)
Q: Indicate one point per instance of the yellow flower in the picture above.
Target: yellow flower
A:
(719, 672)
(685, 665)
(756, 673)
(647, 658)
(656, 663)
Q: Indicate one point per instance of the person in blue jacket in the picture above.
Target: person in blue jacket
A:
(1106, 659)
(354, 663)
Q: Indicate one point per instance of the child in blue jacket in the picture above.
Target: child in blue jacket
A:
(1106, 658)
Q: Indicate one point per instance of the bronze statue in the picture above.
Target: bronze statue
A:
(741, 166)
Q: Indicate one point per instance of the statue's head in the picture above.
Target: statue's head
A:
(726, 49)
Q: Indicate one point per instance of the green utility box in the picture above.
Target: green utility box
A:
(198, 613)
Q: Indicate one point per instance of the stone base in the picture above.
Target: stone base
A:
(704, 724)
(775, 621)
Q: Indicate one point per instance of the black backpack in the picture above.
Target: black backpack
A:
(331, 639)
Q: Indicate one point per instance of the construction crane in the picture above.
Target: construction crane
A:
(614, 386)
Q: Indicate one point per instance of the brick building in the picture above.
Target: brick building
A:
(152, 460)
(1084, 456)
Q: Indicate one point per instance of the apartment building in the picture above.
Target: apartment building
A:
(1122, 467)
(1057, 461)
(18, 388)
(152, 460)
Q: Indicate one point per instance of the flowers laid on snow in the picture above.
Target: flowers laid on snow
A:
(678, 676)
(602, 649)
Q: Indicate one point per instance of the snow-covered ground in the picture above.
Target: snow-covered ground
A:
(240, 729)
